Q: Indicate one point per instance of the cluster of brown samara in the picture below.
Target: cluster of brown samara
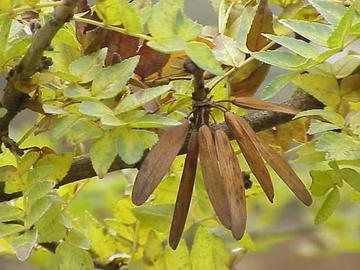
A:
(220, 168)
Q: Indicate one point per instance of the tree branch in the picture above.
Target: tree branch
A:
(13, 99)
(81, 167)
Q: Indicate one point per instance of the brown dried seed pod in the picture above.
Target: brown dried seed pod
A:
(185, 191)
(252, 103)
(281, 167)
(157, 162)
(251, 154)
(234, 183)
(213, 180)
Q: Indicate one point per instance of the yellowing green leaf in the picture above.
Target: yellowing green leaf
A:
(351, 177)
(70, 257)
(87, 67)
(338, 146)
(298, 46)
(9, 212)
(227, 51)
(140, 98)
(319, 126)
(156, 216)
(202, 56)
(323, 87)
(23, 244)
(328, 207)
(345, 66)
(122, 211)
(94, 108)
(153, 121)
(282, 59)
(332, 11)
(12, 179)
(76, 92)
(38, 209)
(9, 229)
(111, 80)
(337, 36)
(315, 32)
(330, 116)
(186, 28)
(60, 162)
(241, 27)
(209, 252)
(102, 154)
(76, 238)
(275, 85)
(131, 143)
(109, 11)
(322, 181)
(130, 17)
(178, 259)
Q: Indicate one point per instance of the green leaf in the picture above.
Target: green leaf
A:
(338, 146)
(345, 66)
(111, 80)
(9, 212)
(227, 51)
(140, 98)
(275, 85)
(337, 36)
(87, 67)
(202, 56)
(241, 27)
(102, 154)
(167, 44)
(62, 125)
(109, 11)
(162, 22)
(82, 130)
(153, 121)
(298, 46)
(153, 251)
(111, 120)
(50, 226)
(5, 25)
(12, 179)
(186, 28)
(70, 257)
(322, 181)
(27, 161)
(60, 162)
(282, 59)
(130, 17)
(178, 259)
(209, 252)
(323, 87)
(24, 244)
(38, 209)
(332, 11)
(319, 126)
(315, 32)
(131, 143)
(3, 112)
(17, 48)
(122, 211)
(351, 177)
(9, 229)
(38, 190)
(94, 108)
(328, 207)
(75, 91)
(330, 116)
(156, 216)
(78, 239)
(103, 244)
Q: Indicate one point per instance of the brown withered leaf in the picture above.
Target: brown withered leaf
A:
(257, 104)
(234, 183)
(212, 178)
(185, 191)
(157, 162)
(262, 23)
(251, 154)
(151, 61)
(281, 167)
(283, 135)
(124, 45)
